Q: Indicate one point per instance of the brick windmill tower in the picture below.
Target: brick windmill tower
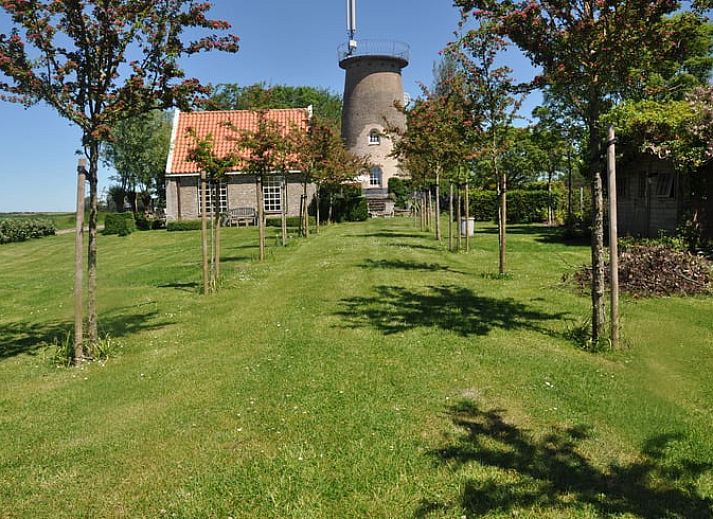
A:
(372, 85)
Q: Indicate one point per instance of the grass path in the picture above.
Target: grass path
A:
(365, 372)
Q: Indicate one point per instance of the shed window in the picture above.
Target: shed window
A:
(664, 185)
(642, 184)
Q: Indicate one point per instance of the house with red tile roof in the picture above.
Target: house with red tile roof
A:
(183, 201)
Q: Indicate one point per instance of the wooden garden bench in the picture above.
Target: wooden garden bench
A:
(248, 215)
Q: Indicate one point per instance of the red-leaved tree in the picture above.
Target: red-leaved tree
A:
(590, 52)
(98, 61)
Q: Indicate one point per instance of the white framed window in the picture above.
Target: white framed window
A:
(222, 198)
(272, 194)
(375, 177)
(374, 137)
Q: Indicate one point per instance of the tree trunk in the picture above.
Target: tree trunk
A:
(216, 253)
(429, 212)
(306, 210)
(318, 200)
(550, 208)
(260, 215)
(450, 216)
(204, 230)
(503, 222)
(570, 222)
(283, 212)
(79, 267)
(467, 218)
(213, 191)
(460, 218)
(92, 320)
(331, 207)
(437, 219)
(598, 311)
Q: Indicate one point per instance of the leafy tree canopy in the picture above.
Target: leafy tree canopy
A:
(138, 151)
(681, 131)
(262, 96)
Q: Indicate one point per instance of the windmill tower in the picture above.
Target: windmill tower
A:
(372, 85)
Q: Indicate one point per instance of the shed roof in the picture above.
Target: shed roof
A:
(225, 126)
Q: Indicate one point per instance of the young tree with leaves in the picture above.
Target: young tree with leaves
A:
(589, 52)
(324, 160)
(437, 139)
(72, 56)
(214, 170)
(494, 97)
(268, 151)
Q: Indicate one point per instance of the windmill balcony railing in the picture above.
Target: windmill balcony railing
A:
(387, 48)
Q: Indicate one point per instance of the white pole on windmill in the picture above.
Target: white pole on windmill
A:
(351, 24)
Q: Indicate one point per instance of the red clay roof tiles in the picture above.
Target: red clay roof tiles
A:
(223, 126)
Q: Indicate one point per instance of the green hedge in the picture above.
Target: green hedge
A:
(348, 204)
(523, 206)
(20, 229)
(147, 223)
(122, 224)
(292, 221)
(401, 190)
(184, 225)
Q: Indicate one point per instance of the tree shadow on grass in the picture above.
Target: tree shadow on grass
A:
(389, 234)
(407, 265)
(550, 474)
(452, 308)
(236, 259)
(26, 337)
(418, 246)
(191, 286)
(542, 234)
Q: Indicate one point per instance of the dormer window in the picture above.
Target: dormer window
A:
(374, 137)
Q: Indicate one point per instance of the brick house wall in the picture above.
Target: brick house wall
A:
(182, 195)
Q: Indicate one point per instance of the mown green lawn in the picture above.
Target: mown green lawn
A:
(365, 372)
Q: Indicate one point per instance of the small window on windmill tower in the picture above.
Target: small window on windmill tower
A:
(375, 177)
(374, 137)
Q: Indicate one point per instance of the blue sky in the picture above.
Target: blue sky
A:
(282, 42)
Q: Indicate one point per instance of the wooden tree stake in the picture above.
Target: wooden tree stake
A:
(79, 266)
(613, 237)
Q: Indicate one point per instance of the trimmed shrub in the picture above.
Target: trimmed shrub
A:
(292, 221)
(401, 190)
(184, 225)
(356, 209)
(122, 224)
(348, 204)
(22, 229)
(147, 223)
(523, 206)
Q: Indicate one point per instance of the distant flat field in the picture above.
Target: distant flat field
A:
(364, 372)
